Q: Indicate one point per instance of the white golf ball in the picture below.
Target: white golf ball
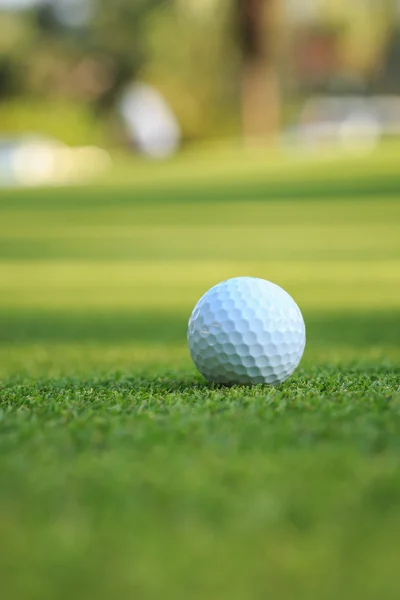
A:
(246, 330)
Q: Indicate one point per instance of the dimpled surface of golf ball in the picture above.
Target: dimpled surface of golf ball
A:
(245, 331)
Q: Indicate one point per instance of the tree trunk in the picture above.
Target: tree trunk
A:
(260, 95)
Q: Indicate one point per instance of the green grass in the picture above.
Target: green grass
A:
(122, 473)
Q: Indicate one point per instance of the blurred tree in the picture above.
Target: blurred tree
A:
(192, 60)
(99, 57)
(15, 38)
(338, 46)
(205, 56)
(257, 26)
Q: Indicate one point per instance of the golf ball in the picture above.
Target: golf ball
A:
(246, 330)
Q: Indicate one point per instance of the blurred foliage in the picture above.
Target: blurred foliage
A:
(198, 78)
(72, 122)
(355, 36)
(158, 40)
(190, 51)
(91, 62)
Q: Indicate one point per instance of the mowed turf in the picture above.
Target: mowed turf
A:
(122, 472)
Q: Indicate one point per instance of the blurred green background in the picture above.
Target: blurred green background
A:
(65, 63)
(122, 472)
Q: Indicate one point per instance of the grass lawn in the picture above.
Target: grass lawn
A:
(122, 473)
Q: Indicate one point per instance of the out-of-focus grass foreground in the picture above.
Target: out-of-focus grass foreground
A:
(122, 473)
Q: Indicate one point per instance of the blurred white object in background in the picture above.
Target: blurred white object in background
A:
(350, 124)
(34, 160)
(151, 124)
(360, 132)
